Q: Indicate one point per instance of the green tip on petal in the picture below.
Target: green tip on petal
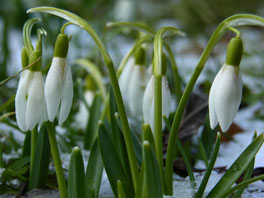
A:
(61, 46)
(234, 52)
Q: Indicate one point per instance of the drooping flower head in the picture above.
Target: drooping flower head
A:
(133, 81)
(30, 101)
(148, 99)
(58, 85)
(226, 91)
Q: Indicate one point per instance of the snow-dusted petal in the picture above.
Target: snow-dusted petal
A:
(20, 99)
(136, 91)
(148, 100)
(212, 96)
(67, 95)
(229, 96)
(35, 101)
(53, 86)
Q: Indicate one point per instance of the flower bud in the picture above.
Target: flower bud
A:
(148, 101)
(59, 85)
(226, 91)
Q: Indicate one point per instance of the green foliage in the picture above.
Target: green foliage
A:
(76, 179)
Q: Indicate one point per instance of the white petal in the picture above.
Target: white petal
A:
(212, 97)
(53, 86)
(67, 95)
(166, 99)
(35, 101)
(136, 91)
(125, 78)
(228, 96)
(148, 103)
(20, 100)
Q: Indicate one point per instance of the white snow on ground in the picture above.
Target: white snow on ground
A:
(229, 151)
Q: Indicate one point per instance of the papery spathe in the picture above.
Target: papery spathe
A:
(59, 90)
(225, 97)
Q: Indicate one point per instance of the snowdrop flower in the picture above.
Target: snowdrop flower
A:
(133, 81)
(124, 79)
(30, 101)
(148, 101)
(136, 89)
(59, 85)
(226, 91)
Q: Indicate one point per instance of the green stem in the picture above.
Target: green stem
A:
(116, 89)
(137, 26)
(64, 26)
(158, 122)
(26, 34)
(34, 135)
(57, 160)
(236, 20)
(209, 169)
(138, 43)
(235, 31)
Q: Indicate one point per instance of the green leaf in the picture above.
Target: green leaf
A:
(152, 172)
(244, 184)
(112, 163)
(6, 115)
(120, 190)
(209, 168)
(40, 169)
(237, 168)
(92, 127)
(247, 174)
(76, 179)
(2, 163)
(27, 144)
(7, 103)
(94, 171)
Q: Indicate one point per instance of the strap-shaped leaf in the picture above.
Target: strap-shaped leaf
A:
(40, 169)
(92, 127)
(152, 172)
(94, 171)
(76, 179)
(112, 163)
(233, 21)
(237, 168)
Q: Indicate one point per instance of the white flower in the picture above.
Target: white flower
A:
(59, 90)
(124, 79)
(148, 101)
(136, 89)
(225, 97)
(30, 100)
